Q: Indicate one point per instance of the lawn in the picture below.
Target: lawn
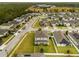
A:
(47, 49)
(65, 48)
(27, 44)
(37, 24)
(61, 27)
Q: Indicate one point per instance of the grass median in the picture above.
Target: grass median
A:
(27, 45)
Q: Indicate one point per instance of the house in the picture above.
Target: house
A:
(6, 26)
(3, 32)
(41, 37)
(60, 38)
(20, 19)
(10, 26)
(74, 36)
(44, 22)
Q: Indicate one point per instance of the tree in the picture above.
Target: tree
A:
(68, 51)
(41, 50)
(1, 41)
(39, 29)
(50, 37)
(66, 32)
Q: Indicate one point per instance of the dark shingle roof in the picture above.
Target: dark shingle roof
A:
(64, 42)
(75, 36)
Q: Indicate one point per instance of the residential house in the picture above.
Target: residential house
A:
(41, 37)
(60, 38)
(3, 32)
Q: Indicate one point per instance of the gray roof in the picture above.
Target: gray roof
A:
(54, 22)
(14, 22)
(43, 5)
(6, 24)
(71, 34)
(2, 31)
(59, 36)
(41, 34)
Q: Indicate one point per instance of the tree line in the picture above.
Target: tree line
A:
(9, 11)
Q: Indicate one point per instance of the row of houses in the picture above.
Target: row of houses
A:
(12, 26)
(64, 18)
(52, 20)
(51, 8)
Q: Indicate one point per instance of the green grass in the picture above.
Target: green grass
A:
(47, 49)
(65, 48)
(61, 27)
(27, 44)
(36, 25)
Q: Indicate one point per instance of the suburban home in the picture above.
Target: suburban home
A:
(60, 38)
(6, 26)
(44, 23)
(11, 25)
(20, 19)
(41, 37)
(3, 32)
(54, 22)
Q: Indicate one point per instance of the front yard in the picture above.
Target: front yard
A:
(64, 49)
(47, 49)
